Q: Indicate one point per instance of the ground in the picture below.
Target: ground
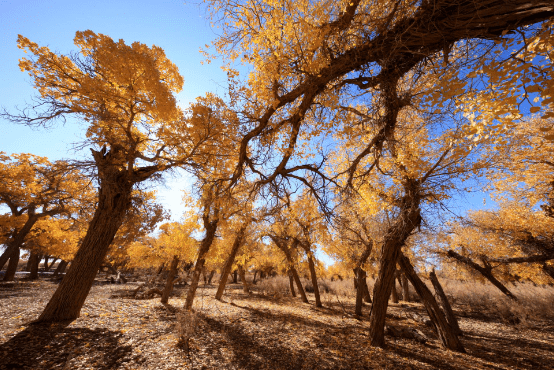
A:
(254, 331)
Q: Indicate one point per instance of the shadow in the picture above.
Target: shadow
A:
(53, 346)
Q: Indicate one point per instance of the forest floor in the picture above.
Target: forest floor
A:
(247, 332)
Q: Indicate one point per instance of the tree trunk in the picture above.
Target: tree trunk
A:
(170, 278)
(242, 274)
(61, 267)
(367, 297)
(235, 277)
(34, 260)
(45, 266)
(448, 337)
(450, 317)
(291, 283)
(210, 277)
(211, 228)
(394, 292)
(114, 199)
(358, 280)
(229, 263)
(405, 288)
(49, 266)
(485, 271)
(5, 257)
(313, 276)
(299, 285)
(12, 265)
(396, 236)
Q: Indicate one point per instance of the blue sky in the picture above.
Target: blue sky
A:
(179, 27)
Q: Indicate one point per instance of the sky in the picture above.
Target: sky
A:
(179, 27)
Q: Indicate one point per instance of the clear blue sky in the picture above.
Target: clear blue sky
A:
(179, 27)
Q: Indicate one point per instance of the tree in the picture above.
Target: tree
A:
(33, 189)
(124, 95)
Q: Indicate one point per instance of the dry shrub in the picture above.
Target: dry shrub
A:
(187, 323)
(534, 302)
(276, 286)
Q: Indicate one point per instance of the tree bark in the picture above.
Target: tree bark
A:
(61, 267)
(358, 279)
(394, 292)
(485, 271)
(211, 228)
(114, 199)
(299, 285)
(170, 279)
(242, 274)
(291, 283)
(5, 257)
(229, 262)
(313, 275)
(254, 281)
(448, 337)
(396, 236)
(235, 277)
(450, 317)
(286, 250)
(12, 264)
(405, 288)
(34, 260)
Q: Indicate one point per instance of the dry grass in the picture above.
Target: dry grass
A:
(534, 302)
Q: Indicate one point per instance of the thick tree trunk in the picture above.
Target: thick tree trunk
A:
(313, 275)
(114, 199)
(448, 337)
(12, 265)
(450, 317)
(61, 267)
(235, 277)
(229, 263)
(211, 228)
(254, 281)
(170, 279)
(291, 284)
(34, 260)
(396, 236)
(242, 274)
(5, 257)
(485, 271)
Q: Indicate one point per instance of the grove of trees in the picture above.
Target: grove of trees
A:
(356, 127)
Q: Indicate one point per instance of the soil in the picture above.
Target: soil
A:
(248, 332)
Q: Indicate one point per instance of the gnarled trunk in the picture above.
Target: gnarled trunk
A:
(448, 337)
(114, 199)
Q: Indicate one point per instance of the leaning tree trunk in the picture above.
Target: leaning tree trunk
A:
(291, 284)
(170, 279)
(12, 265)
(313, 276)
(395, 238)
(229, 263)
(114, 199)
(61, 267)
(448, 337)
(485, 271)
(211, 228)
(299, 285)
(5, 257)
(450, 317)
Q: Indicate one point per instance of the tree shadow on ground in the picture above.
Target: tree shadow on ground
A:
(53, 346)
